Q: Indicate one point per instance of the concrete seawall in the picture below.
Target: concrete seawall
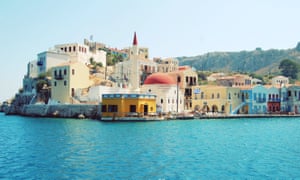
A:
(62, 111)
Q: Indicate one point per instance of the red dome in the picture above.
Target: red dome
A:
(159, 78)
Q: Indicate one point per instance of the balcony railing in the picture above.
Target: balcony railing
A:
(274, 99)
(261, 100)
(58, 77)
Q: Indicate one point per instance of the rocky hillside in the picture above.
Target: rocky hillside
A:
(258, 61)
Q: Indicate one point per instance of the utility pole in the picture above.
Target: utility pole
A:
(178, 81)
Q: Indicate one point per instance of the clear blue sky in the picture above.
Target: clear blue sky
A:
(167, 27)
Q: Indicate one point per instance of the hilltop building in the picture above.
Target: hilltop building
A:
(132, 72)
(82, 53)
(45, 61)
(280, 80)
(166, 65)
(236, 80)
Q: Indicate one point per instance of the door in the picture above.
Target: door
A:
(146, 109)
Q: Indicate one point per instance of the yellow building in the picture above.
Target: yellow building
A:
(122, 105)
(216, 99)
(66, 79)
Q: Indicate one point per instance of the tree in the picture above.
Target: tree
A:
(289, 68)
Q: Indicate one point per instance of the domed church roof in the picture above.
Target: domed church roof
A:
(159, 78)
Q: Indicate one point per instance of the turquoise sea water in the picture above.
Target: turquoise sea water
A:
(44, 148)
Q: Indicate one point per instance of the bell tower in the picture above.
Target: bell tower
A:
(134, 56)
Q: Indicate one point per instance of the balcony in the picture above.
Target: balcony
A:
(39, 63)
(59, 77)
(274, 100)
(261, 100)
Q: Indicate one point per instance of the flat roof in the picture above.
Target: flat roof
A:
(118, 95)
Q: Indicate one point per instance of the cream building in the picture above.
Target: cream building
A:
(186, 78)
(167, 65)
(167, 92)
(237, 80)
(216, 99)
(66, 79)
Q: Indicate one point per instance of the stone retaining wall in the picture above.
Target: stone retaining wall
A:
(63, 111)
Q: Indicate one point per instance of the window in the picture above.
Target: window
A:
(161, 101)
(73, 71)
(65, 83)
(74, 48)
(70, 49)
(229, 96)
(132, 108)
(65, 72)
(104, 108)
(55, 83)
(55, 73)
(202, 95)
(213, 96)
(73, 92)
(218, 95)
(112, 108)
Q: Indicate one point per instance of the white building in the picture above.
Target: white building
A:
(95, 92)
(48, 59)
(168, 93)
(45, 61)
(280, 80)
(81, 53)
(132, 73)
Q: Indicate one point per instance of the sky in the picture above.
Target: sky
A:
(169, 28)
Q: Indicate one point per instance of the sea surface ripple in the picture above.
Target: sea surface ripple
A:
(45, 148)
